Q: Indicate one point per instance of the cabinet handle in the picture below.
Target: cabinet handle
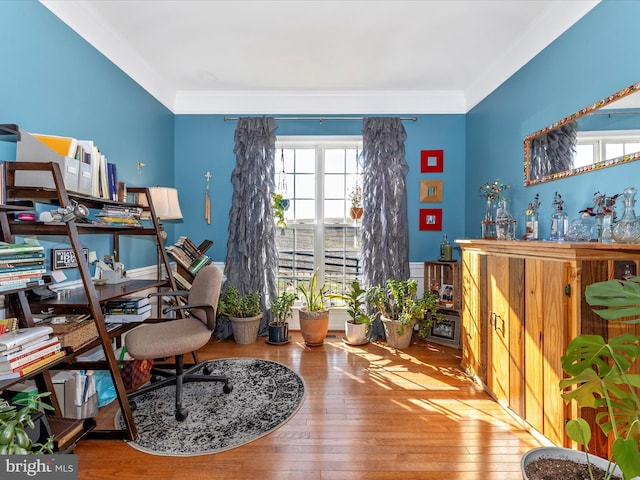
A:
(567, 290)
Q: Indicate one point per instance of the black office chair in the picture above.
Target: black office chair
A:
(180, 336)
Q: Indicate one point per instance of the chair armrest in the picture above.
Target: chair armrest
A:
(208, 309)
(169, 293)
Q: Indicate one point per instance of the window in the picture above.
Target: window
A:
(320, 236)
(596, 147)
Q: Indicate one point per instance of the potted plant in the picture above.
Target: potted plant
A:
(355, 197)
(314, 315)
(599, 377)
(19, 432)
(243, 311)
(357, 326)
(281, 309)
(279, 205)
(400, 310)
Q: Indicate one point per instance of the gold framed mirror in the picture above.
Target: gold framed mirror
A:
(603, 134)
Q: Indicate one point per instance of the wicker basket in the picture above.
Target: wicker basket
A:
(135, 373)
(77, 332)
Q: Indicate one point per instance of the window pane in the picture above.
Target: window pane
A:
(584, 155)
(305, 186)
(334, 211)
(305, 160)
(614, 150)
(631, 148)
(334, 160)
(342, 257)
(305, 211)
(352, 160)
(334, 186)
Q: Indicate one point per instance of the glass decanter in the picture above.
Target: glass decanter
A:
(489, 224)
(505, 224)
(627, 229)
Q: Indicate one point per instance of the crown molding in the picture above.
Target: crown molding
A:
(313, 103)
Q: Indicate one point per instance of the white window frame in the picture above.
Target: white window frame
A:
(318, 143)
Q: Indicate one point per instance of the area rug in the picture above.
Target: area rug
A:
(265, 396)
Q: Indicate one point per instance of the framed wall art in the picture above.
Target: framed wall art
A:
(431, 219)
(430, 191)
(432, 161)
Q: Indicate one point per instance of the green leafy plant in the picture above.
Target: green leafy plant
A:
(397, 301)
(232, 304)
(355, 299)
(314, 295)
(599, 376)
(282, 306)
(278, 205)
(14, 440)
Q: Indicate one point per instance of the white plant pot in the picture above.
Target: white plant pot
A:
(563, 453)
(355, 333)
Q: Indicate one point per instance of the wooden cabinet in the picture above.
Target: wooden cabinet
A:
(522, 302)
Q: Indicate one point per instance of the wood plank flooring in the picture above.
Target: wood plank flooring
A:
(370, 413)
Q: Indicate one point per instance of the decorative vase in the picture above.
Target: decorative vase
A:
(278, 332)
(314, 326)
(505, 224)
(395, 339)
(605, 223)
(627, 229)
(489, 222)
(245, 330)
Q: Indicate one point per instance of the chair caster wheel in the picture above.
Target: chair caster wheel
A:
(227, 388)
(206, 370)
(133, 405)
(181, 414)
(155, 378)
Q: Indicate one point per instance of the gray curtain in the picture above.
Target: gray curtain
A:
(385, 233)
(554, 151)
(252, 257)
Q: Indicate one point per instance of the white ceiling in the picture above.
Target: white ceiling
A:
(319, 56)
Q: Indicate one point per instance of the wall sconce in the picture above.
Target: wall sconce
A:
(141, 165)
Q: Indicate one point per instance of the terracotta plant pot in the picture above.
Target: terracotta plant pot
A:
(394, 339)
(245, 330)
(314, 326)
(356, 212)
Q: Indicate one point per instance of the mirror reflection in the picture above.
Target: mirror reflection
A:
(601, 135)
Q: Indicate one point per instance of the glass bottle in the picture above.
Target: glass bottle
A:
(489, 224)
(559, 219)
(627, 229)
(443, 247)
(505, 224)
(532, 220)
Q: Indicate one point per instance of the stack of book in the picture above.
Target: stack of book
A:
(187, 255)
(127, 310)
(25, 350)
(119, 216)
(21, 265)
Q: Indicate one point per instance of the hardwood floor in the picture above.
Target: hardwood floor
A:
(369, 413)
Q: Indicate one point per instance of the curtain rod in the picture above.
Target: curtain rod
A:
(320, 119)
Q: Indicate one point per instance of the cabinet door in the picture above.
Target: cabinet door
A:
(472, 335)
(545, 342)
(498, 331)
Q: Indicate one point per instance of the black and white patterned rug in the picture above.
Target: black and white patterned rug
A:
(265, 396)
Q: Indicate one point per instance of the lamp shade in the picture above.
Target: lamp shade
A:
(165, 203)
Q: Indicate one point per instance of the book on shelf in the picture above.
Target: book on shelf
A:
(24, 346)
(22, 270)
(29, 349)
(64, 146)
(22, 257)
(143, 314)
(127, 302)
(112, 180)
(13, 248)
(199, 263)
(22, 336)
(5, 286)
(29, 358)
(8, 324)
(64, 430)
(182, 282)
(32, 367)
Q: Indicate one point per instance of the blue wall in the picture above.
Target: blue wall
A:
(205, 143)
(54, 82)
(596, 57)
